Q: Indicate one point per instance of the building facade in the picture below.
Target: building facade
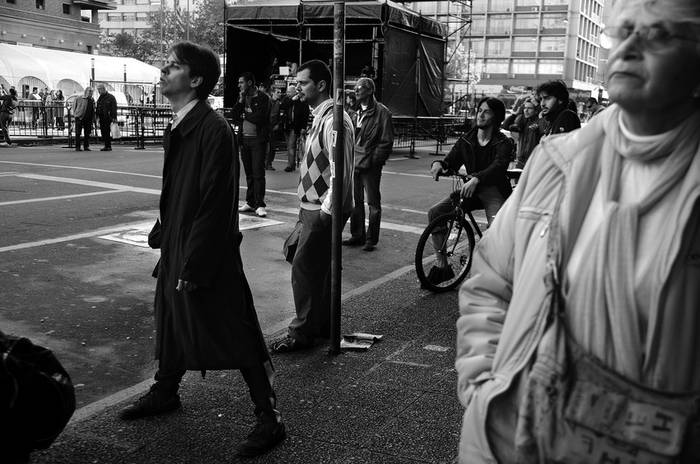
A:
(516, 44)
(57, 24)
(133, 16)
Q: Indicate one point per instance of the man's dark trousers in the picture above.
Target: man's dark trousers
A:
(311, 278)
(257, 378)
(105, 130)
(367, 181)
(80, 127)
(253, 152)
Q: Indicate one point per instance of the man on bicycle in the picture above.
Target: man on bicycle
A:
(485, 153)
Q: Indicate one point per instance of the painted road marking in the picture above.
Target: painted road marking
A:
(69, 238)
(63, 166)
(62, 197)
(91, 183)
(138, 236)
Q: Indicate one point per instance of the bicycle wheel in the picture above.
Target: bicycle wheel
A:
(457, 248)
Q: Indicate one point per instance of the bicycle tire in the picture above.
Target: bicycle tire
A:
(459, 245)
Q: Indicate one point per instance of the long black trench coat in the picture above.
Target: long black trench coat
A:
(214, 326)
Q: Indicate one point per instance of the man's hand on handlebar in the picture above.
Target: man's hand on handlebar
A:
(469, 187)
(436, 170)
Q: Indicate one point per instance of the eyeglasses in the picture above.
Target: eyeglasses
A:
(650, 37)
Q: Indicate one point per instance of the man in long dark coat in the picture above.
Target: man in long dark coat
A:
(205, 316)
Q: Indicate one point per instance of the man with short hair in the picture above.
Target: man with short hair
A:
(295, 114)
(554, 100)
(36, 98)
(485, 153)
(275, 101)
(374, 140)
(252, 114)
(106, 114)
(593, 107)
(311, 268)
(204, 311)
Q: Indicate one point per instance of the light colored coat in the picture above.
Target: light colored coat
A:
(508, 278)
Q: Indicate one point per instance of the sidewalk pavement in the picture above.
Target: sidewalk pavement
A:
(395, 403)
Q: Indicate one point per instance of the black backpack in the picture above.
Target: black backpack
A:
(37, 398)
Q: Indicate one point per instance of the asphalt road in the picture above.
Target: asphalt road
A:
(75, 274)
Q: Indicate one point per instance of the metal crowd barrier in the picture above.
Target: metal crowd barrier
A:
(410, 132)
(146, 123)
(34, 119)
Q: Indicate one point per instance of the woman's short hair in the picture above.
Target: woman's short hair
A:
(318, 71)
(674, 11)
(202, 62)
(87, 91)
(497, 106)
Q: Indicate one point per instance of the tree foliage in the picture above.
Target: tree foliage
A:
(168, 27)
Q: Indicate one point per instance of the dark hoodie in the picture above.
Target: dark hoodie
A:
(497, 153)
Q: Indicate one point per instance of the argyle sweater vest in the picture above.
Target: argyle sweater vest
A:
(315, 167)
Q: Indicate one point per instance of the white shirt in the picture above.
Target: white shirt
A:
(180, 115)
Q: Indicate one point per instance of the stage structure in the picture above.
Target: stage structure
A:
(407, 50)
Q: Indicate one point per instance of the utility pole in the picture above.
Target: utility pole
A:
(339, 160)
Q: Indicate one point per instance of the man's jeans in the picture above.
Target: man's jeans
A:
(291, 139)
(253, 152)
(489, 198)
(367, 181)
(82, 127)
(106, 133)
(311, 272)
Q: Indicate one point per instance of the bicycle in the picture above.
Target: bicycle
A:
(456, 247)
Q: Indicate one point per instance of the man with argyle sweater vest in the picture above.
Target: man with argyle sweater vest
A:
(311, 267)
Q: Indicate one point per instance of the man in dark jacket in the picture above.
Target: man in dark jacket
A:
(530, 127)
(205, 316)
(106, 114)
(374, 140)
(485, 153)
(554, 98)
(295, 114)
(275, 123)
(252, 114)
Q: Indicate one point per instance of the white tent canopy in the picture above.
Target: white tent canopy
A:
(70, 69)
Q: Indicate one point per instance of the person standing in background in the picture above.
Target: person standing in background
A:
(84, 113)
(106, 114)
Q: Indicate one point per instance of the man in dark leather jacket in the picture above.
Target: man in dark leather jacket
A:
(374, 140)
(485, 153)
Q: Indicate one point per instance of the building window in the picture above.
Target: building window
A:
(66, 8)
(40, 4)
(111, 17)
(552, 44)
(479, 6)
(525, 44)
(477, 47)
(498, 47)
(11, 1)
(497, 66)
(478, 23)
(523, 67)
(555, 67)
(499, 24)
(501, 5)
(527, 2)
(527, 21)
(554, 21)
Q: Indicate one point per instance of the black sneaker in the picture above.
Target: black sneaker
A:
(353, 241)
(440, 274)
(289, 169)
(152, 403)
(266, 434)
